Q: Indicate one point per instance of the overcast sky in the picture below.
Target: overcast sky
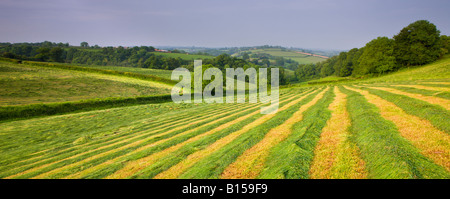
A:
(318, 24)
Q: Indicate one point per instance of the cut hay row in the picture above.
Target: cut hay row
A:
(176, 170)
(155, 144)
(139, 137)
(291, 158)
(251, 162)
(181, 119)
(442, 89)
(437, 115)
(439, 83)
(133, 167)
(432, 100)
(147, 142)
(386, 153)
(432, 142)
(112, 147)
(335, 155)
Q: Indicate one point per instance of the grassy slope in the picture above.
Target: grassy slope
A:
(23, 84)
(439, 70)
(166, 74)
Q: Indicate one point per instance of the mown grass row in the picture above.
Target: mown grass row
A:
(251, 162)
(431, 142)
(139, 161)
(386, 153)
(116, 135)
(69, 138)
(213, 159)
(335, 156)
(120, 141)
(106, 149)
(170, 141)
(437, 115)
(292, 158)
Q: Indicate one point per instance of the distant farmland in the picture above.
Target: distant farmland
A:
(287, 54)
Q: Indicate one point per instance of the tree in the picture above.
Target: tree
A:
(279, 61)
(445, 44)
(245, 56)
(265, 62)
(378, 57)
(56, 54)
(43, 54)
(417, 44)
(84, 44)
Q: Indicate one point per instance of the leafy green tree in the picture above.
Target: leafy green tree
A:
(445, 44)
(265, 62)
(84, 44)
(378, 57)
(43, 54)
(417, 44)
(56, 54)
(245, 56)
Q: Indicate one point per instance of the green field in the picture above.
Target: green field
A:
(166, 74)
(394, 126)
(183, 56)
(25, 84)
(287, 54)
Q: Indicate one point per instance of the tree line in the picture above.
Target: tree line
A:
(418, 43)
(143, 56)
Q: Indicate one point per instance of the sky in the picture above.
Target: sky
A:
(313, 24)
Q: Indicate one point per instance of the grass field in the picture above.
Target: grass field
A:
(24, 84)
(300, 58)
(166, 74)
(394, 126)
(183, 56)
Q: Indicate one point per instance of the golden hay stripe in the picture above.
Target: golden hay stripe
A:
(432, 100)
(137, 143)
(102, 165)
(108, 152)
(333, 147)
(112, 143)
(177, 170)
(432, 142)
(251, 162)
(424, 87)
(133, 167)
(445, 83)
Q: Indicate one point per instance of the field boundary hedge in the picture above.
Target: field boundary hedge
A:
(33, 110)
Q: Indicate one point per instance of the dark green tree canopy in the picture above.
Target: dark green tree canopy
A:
(417, 44)
(378, 57)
